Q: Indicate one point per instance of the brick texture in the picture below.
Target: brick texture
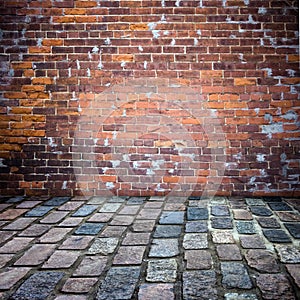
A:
(63, 63)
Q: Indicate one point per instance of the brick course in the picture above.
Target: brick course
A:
(60, 59)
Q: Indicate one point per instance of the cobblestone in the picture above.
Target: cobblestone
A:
(139, 248)
(163, 270)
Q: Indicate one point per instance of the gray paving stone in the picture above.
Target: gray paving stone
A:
(276, 236)
(129, 255)
(235, 275)
(272, 198)
(79, 285)
(11, 276)
(220, 211)
(113, 231)
(275, 287)
(252, 241)
(294, 229)
(199, 285)
(288, 216)
(167, 231)
(288, 254)
(110, 207)
(117, 284)
(279, 206)
(38, 286)
(197, 213)
(221, 223)
(91, 266)
(294, 272)
(57, 201)
(194, 198)
(196, 226)
(262, 260)
(242, 214)
(268, 222)
(136, 238)
(255, 201)
(162, 270)
(164, 248)
(35, 230)
(15, 199)
(136, 200)
(261, 211)
(172, 217)
(76, 242)
(85, 210)
(195, 241)
(103, 246)
(89, 228)
(4, 259)
(236, 296)
(39, 211)
(245, 227)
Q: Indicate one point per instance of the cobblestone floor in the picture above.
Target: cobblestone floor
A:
(149, 248)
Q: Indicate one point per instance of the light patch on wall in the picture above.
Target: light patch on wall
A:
(195, 42)
(51, 142)
(246, 2)
(2, 164)
(145, 65)
(262, 10)
(64, 185)
(163, 3)
(107, 41)
(291, 72)
(78, 64)
(177, 3)
(110, 185)
(173, 42)
(260, 157)
(39, 42)
(141, 48)
(290, 115)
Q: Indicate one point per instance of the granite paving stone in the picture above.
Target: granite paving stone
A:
(28, 204)
(89, 228)
(262, 260)
(243, 296)
(196, 226)
(153, 204)
(272, 198)
(36, 255)
(162, 270)
(275, 286)
(242, 214)
(76, 243)
(38, 286)
(220, 211)
(280, 206)
(54, 217)
(235, 275)
(39, 211)
(117, 284)
(222, 237)
(91, 266)
(103, 246)
(143, 225)
(136, 200)
(255, 201)
(110, 207)
(167, 231)
(15, 199)
(288, 254)
(149, 213)
(288, 216)
(16, 244)
(101, 217)
(294, 229)
(71, 297)
(4, 259)
(198, 259)
(197, 213)
(129, 255)
(10, 276)
(159, 291)
(85, 210)
(294, 203)
(221, 223)
(261, 211)
(6, 235)
(129, 210)
(229, 252)
(268, 222)
(35, 230)
(172, 217)
(113, 231)
(136, 238)
(200, 284)
(57, 201)
(294, 272)
(195, 241)
(54, 235)
(122, 220)
(71, 205)
(70, 222)
(245, 227)
(164, 248)
(61, 259)
(276, 236)
(79, 285)
(11, 214)
(252, 241)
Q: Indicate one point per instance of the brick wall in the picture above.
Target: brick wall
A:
(149, 97)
